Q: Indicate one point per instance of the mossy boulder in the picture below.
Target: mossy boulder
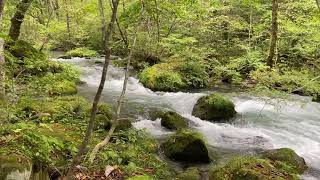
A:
(189, 174)
(154, 115)
(244, 168)
(105, 110)
(10, 163)
(80, 52)
(63, 88)
(287, 156)
(214, 107)
(172, 120)
(161, 77)
(186, 146)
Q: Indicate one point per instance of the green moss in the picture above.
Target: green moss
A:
(63, 88)
(243, 168)
(105, 110)
(186, 146)
(189, 174)
(161, 77)
(142, 177)
(214, 107)
(122, 125)
(81, 52)
(172, 120)
(194, 74)
(287, 156)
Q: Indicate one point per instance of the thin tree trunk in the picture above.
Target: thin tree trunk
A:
(106, 38)
(68, 19)
(18, 18)
(121, 97)
(123, 35)
(274, 34)
(2, 59)
(157, 19)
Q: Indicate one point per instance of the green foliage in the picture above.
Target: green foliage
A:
(82, 52)
(302, 82)
(194, 74)
(63, 88)
(136, 153)
(243, 168)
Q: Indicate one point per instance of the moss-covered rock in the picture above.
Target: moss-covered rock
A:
(154, 115)
(63, 88)
(214, 107)
(244, 168)
(80, 52)
(123, 124)
(12, 163)
(172, 120)
(287, 156)
(105, 110)
(189, 174)
(186, 146)
(161, 77)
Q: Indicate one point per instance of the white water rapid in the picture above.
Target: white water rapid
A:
(262, 123)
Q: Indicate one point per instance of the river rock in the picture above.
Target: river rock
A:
(14, 167)
(186, 146)
(287, 156)
(173, 121)
(189, 174)
(214, 107)
(254, 168)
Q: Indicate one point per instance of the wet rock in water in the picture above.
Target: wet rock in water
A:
(253, 168)
(173, 121)
(14, 167)
(154, 115)
(186, 146)
(287, 156)
(214, 107)
(189, 174)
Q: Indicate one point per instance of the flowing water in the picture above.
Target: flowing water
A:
(262, 123)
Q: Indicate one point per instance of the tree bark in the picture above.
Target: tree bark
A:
(18, 18)
(121, 97)
(2, 59)
(274, 34)
(106, 39)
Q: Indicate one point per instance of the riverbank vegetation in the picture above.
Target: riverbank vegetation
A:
(173, 46)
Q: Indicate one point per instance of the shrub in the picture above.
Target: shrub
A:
(194, 74)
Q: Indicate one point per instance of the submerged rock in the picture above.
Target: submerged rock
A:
(14, 167)
(189, 174)
(186, 146)
(287, 156)
(245, 168)
(214, 107)
(172, 120)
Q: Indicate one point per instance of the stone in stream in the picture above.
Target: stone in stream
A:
(173, 121)
(14, 167)
(287, 156)
(214, 107)
(186, 146)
